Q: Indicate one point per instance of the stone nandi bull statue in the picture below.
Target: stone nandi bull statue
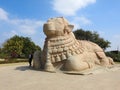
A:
(62, 51)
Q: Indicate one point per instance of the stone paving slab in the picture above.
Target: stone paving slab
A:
(21, 77)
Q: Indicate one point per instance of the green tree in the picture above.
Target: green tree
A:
(19, 46)
(91, 36)
(114, 54)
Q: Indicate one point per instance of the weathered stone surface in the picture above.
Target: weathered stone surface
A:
(36, 60)
(62, 49)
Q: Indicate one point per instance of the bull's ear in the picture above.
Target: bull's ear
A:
(68, 28)
(71, 27)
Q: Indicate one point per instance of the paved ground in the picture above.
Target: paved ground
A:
(21, 77)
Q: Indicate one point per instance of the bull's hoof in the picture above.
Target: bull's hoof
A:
(49, 68)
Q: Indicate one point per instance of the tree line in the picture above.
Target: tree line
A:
(81, 34)
(19, 46)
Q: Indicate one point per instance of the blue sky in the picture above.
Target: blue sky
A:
(26, 17)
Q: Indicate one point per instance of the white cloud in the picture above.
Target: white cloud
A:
(115, 44)
(117, 36)
(26, 29)
(80, 21)
(10, 34)
(116, 41)
(24, 26)
(3, 15)
(70, 7)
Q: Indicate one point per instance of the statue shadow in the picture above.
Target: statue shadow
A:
(24, 68)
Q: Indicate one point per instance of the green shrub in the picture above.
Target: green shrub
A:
(3, 55)
(114, 55)
(13, 60)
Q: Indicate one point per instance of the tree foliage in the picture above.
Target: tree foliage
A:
(19, 46)
(91, 36)
(114, 54)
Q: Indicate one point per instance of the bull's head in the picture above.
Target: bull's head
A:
(57, 27)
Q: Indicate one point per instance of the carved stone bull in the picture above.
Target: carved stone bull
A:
(62, 51)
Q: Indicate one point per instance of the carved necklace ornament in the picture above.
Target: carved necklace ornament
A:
(60, 48)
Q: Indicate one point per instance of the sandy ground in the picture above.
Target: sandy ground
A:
(21, 77)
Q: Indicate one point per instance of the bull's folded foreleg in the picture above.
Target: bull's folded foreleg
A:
(74, 63)
(48, 65)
